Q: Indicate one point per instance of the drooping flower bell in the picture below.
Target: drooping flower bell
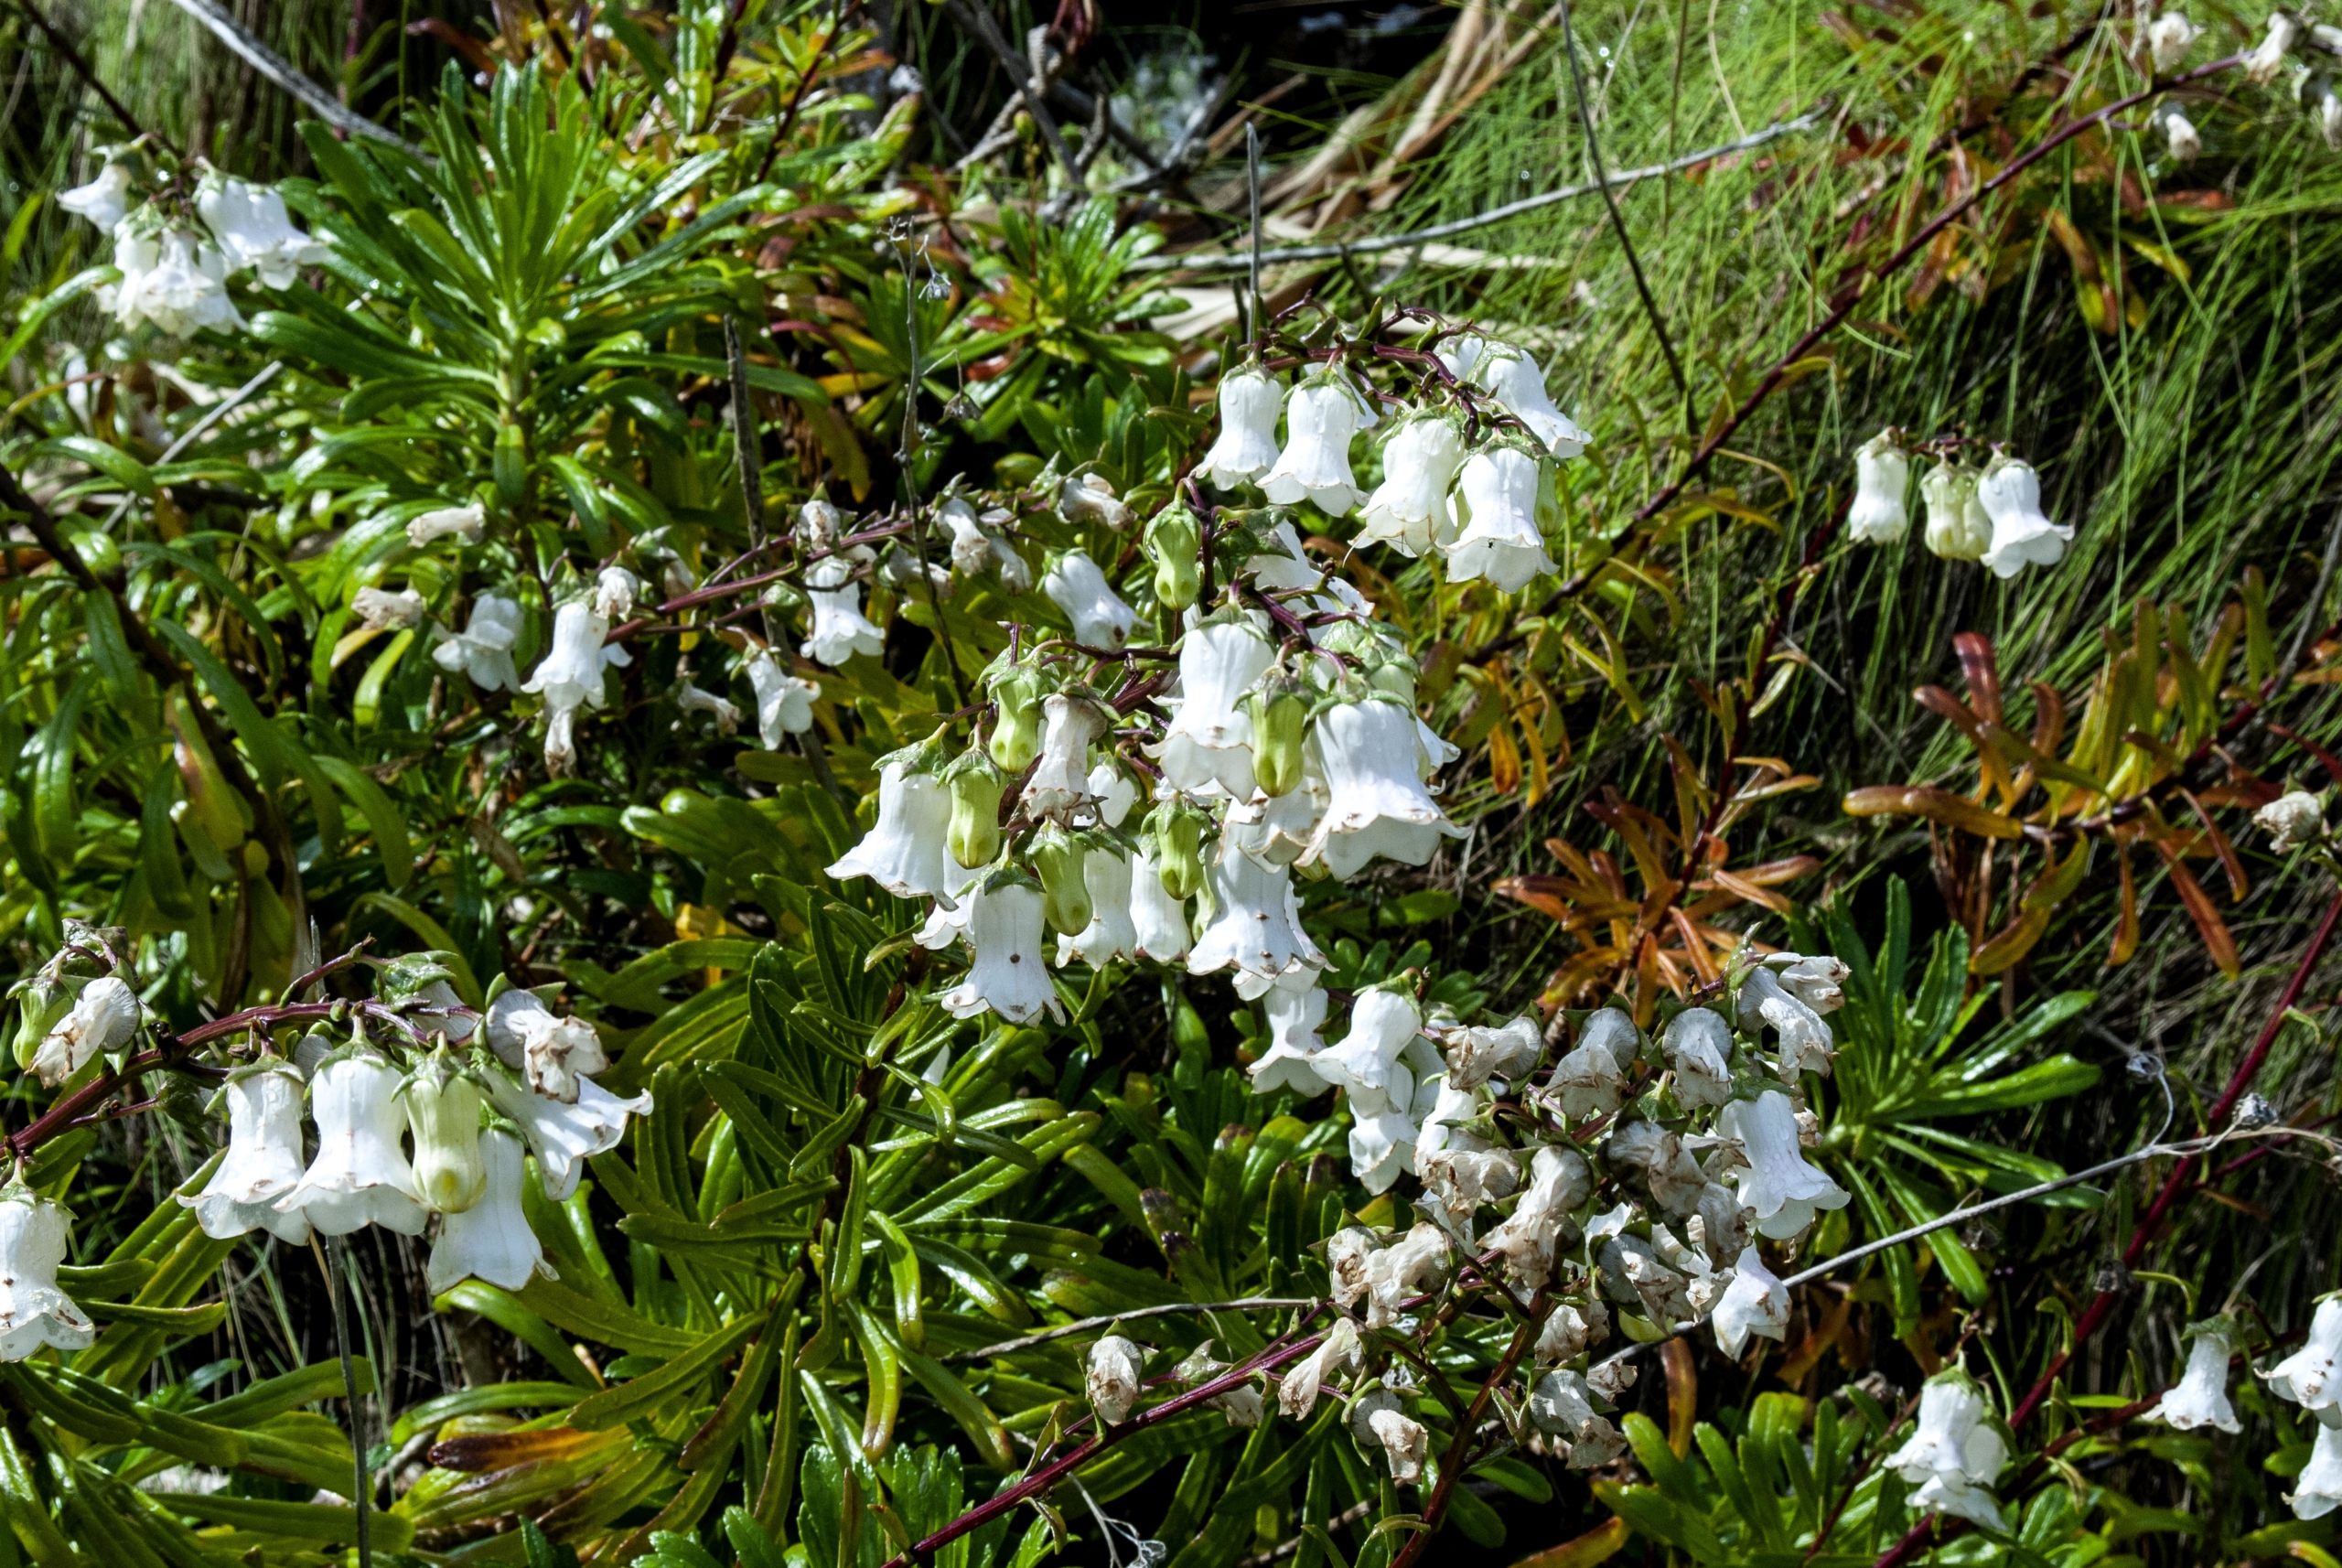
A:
(482, 651)
(1957, 527)
(1111, 1378)
(564, 1138)
(1805, 1041)
(380, 610)
(1529, 1237)
(465, 524)
(1409, 509)
(784, 701)
(904, 852)
(360, 1176)
(2292, 821)
(2201, 1396)
(1089, 497)
(1009, 973)
(1061, 781)
(2268, 57)
(1375, 804)
(1158, 921)
(1338, 1353)
(1785, 1191)
(106, 200)
(1755, 1302)
(839, 629)
(1278, 708)
(1075, 585)
(1207, 745)
(1882, 474)
(1477, 1055)
(1246, 447)
(172, 280)
(443, 1107)
(1515, 380)
(1382, 1024)
(571, 677)
(103, 1018)
(1254, 927)
(1016, 699)
(33, 1311)
(1591, 1078)
(264, 1160)
(1698, 1046)
(2317, 1490)
(490, 1241)
(1175, 544)
(1383, 1131)
(2169, 38)
(1496, 509)
(2181, 139)
(2010, 493)
(694, 699)
(1283, 566)
(1295, 1017)
(255, 231)
(1110, 935)
(2308, 1377)
(1955, 1454)
(552, 1054)
(1321, 416)
(1376, 1422)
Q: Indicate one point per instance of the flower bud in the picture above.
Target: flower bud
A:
(1057, 860)
(1279, 709)
(1016, 736)
(41, 1002)
(1177, 830)
(977, 786)
(443, 1106)
(1176, 545)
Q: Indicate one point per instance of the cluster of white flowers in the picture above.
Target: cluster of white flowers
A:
(175, 255)
(1994, 516)
(1483, 509)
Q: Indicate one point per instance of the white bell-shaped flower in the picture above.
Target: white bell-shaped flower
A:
(1698, 1046)
(1111, 1378)
(106, 200)
(1089, 497)
(906, 851)
(1635, 1274)
(33, 1311)
(2201, 1396)
(615, 591)
(1254, 926)
(380, 610)
(255, 231)
(2294, 820)
(2307, 1377)
(1250, 401)
(2169, 38)
(1158, 921)
(1061, 779)
(1805, 1041)
(1382, 1024)
(1755, 1302)
(1955, 1454)
(564, 1138)
(1346, 1251)
(1285, 564)
(1559, 1180)
(443, 1107)
(1559, 1405)
(1408, 508)
(971, 546)
(465, 524)
(839, 630)
(1477, 1055)
(553, 1054)
(172, 280)
(1321, 416)
(1382, 1131)
(694, 699)
(1376, 803)
(2268, 57)
(1277, 832)
(1009, 973)
(103, 1018)
(1515, 380)
(1571, 1330)
(1207, 747)
(1881, 474)
(1495, 510)
(1729, 1225)
(1957, 527)
(1338, 1354)
(1410, 1266)
(2010, 493)
(1294, 1017)
(1110, 936)
(1112, 793)
(482, 651)
(1818, 980)
(1658, 1157)
(360, 1176)
(571, 677)
(264, 1160)
(2317, 1490)
(1591, 1080)
(784, 701)
(2181, 139)
(490, 1241)
(1784, 1190)
(1376, 1422)
(1076, 586)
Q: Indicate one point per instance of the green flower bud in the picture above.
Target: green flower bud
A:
(1016, 734)
(40, 1001)
(1175, 544)
(1177, 830)
(977, 786)
(443, 1106)
(1279, 707)
(1059, 859)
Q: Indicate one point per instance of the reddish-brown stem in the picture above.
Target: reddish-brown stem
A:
(1459, 1447)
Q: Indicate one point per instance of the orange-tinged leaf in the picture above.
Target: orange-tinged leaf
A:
(1695, 947)
(1750, 892)
(1599, 1545)
(1978, 663)
(2049, 718)
(1540, 892)
(2239, 884)
(2126, 931)
(1937, 805)
(482, 1452)
(1504, 759)
(2012, 944)
(1778, 870)
(2200, 909)
(1683, 1394)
